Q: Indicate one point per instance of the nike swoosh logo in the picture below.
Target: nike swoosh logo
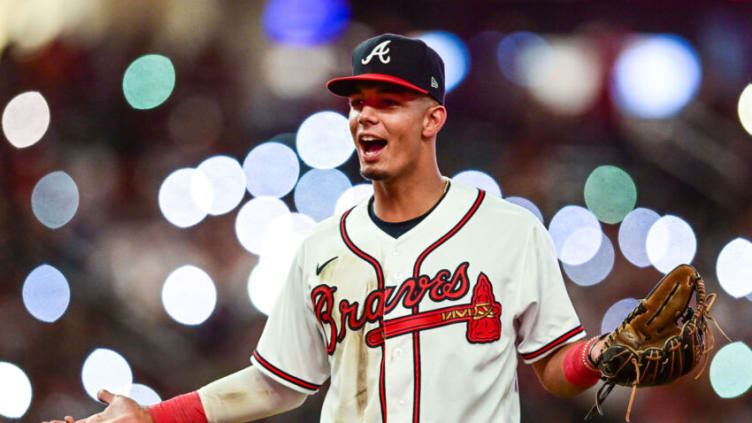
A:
(321, 267)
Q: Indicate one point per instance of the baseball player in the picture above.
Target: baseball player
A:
(416, 303)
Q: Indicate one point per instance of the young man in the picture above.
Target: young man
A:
(411, 302)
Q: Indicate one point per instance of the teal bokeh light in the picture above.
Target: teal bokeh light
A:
(731, 370)
(148, 81)
(610, 193)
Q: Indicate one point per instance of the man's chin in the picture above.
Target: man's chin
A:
(373, 174)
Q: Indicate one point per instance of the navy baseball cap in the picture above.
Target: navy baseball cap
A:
(394, 59)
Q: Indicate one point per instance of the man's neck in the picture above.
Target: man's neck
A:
(402, 199)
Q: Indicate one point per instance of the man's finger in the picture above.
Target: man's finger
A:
(105, 396)
(69, 419)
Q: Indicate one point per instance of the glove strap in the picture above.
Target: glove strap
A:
(588, 358)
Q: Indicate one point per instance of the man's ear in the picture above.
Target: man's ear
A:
(433, 120)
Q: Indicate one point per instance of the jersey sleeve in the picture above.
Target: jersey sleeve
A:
(546, 317)
(291, 350)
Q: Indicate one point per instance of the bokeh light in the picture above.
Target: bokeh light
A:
(292, 72)
(744, 108)
(517, 53)
(143, 395)
(54, 200)
(731, 370)
(189, 295)
(15, 391)
(185, 196)
(453, 53)
(227, 181)
(148, 81)
(271, 169)
(633, 233)
(524, 202)
(26, 119)
(46, 293)
(282, 239)
(31, 25)
(253, 220)
(734, 268)
(594, 270)
(265, 283)
(284, 235)
(478, 179)
(304, 24)
(656, 76)
(670, 242)
(318, 190)
(576, 234)
(324, 141)
(566, 75)
(617, 313)
(106, 369)
(352, 197)
(610, 193)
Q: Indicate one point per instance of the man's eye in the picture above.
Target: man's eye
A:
(389, 102)
(356, 103)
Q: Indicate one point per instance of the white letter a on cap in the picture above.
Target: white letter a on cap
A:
(380, 50)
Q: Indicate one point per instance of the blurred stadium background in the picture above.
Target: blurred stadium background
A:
(162, 159)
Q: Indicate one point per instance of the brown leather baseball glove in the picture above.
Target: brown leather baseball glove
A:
(662, 339)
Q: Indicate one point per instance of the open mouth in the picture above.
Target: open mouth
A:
(372, 146)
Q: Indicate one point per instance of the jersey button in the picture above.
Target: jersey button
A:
(397, 352)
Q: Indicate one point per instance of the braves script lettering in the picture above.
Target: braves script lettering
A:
(445, 285)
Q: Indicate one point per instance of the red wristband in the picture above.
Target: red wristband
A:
(185, 408)
(575, 368)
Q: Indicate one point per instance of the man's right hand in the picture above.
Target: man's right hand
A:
(120, 409)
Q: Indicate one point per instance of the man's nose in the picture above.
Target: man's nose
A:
(367, 115)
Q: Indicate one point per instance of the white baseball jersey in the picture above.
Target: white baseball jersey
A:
(425, 327)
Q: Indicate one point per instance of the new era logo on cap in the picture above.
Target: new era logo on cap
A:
(394, 59)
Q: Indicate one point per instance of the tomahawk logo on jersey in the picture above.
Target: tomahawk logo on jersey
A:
(427, 326)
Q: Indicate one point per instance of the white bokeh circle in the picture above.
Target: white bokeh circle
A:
(15, 391)
(189, 295)
(734, 268)
(178, 197)
(576, 234)
(26, 119)
(324, 141)
(106, 369)
(670, 242)
(253, 220)
(227, 180)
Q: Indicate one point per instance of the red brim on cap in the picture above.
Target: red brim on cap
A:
(345, 86)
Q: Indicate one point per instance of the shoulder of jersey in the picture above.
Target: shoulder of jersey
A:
(327, 227)
(498, 208)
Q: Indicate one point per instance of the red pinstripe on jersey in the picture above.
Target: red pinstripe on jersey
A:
(416, 274)
(380, 279)
(553, 344)
(284, 375)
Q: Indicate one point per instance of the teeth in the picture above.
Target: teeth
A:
(367, 139)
